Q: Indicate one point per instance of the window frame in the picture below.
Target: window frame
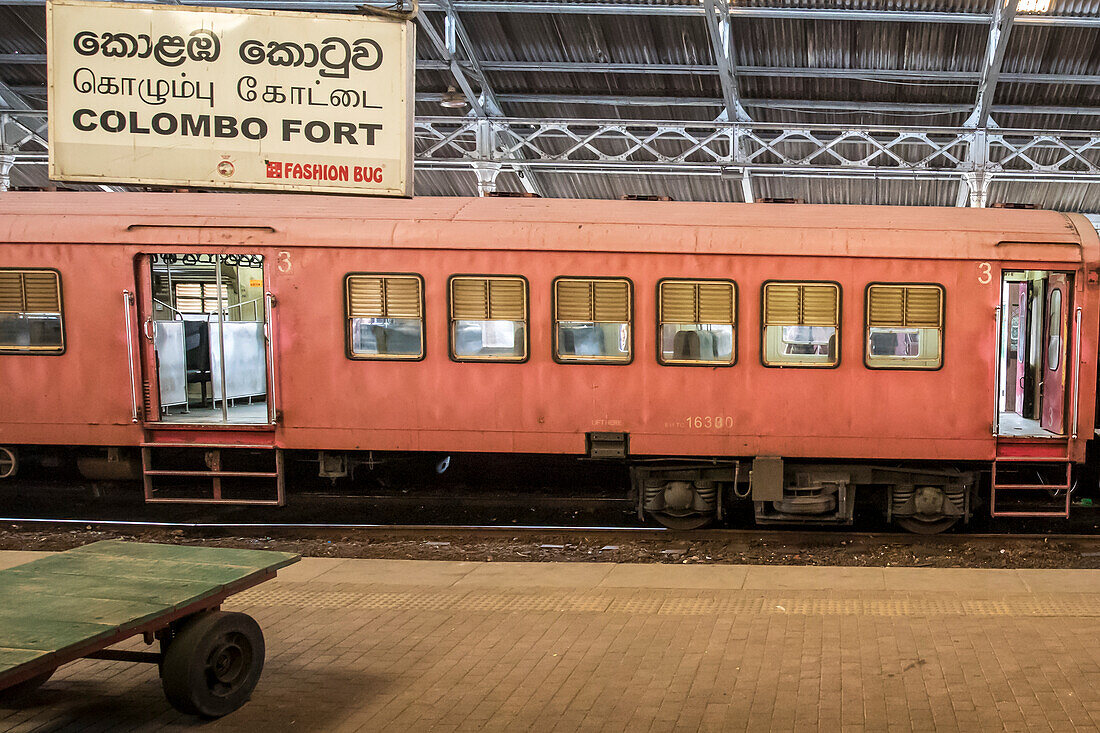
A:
(49, 350)
(736, 329)
(554, 320)
(867, 326)
(1049, 327)
(347, 319)
(526, 321)
(764, 326)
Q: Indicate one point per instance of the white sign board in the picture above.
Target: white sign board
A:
(212, 97)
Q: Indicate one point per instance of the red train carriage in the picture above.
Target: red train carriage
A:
(788, 355)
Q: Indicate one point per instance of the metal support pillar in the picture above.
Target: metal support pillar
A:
(6, 162)
(725, 57)
(1000, 27)
(746, 187)
(975, 183)
(486, 177)
(974, 191)
(974, 188)
(458, 53)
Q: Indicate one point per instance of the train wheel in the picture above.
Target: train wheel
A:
(917, 525)
(9, 462)
(684, 522)
(212, 666)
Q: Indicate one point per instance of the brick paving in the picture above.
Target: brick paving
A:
(541, 647)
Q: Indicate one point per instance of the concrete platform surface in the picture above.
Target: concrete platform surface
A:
(396, 645)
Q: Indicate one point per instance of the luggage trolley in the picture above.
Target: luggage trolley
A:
(77, 604)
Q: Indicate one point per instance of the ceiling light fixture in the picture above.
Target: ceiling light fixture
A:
(1033, 6)
(452, 99)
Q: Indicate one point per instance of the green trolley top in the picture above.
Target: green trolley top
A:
(76, 603)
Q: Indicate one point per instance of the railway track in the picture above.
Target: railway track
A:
(416, 531)
(467, 518)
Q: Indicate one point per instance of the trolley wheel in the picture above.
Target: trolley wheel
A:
(25, 687)
(213, 664)
(932, 526)
(9, 462)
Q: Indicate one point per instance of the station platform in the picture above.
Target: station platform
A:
(402, 645)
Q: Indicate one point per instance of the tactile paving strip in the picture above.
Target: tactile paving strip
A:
(665, 602)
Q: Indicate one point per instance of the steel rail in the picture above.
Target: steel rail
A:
(715, 533)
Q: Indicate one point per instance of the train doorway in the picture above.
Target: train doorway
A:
(1034, 346)
(206, 356)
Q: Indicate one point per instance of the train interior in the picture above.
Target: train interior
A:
(209, 322)
(1035, 308)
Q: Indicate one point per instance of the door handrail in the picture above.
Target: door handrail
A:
(1076, 367)
(127, 304)
(272, 390)
(997, 375)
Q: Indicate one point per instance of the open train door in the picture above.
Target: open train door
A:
(207, 360)
(1052, 396)
(206, 348)
(1035, 347)
(1032, 473)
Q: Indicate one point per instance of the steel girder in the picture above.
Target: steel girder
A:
(639, 8)
(712, 148)
(23, 134)
(946, 76)
(457, 49)
(709, 148)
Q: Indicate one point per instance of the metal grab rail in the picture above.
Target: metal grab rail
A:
(127, 303)
(997, 375)
(272, 389)
(242, 304)
(180, 313)
(1076, 368)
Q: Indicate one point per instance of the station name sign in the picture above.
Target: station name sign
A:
(214, 97)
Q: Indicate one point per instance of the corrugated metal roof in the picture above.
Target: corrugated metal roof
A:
(813, 45)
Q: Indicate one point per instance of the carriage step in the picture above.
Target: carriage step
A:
(213, 474)
(1016, 479)
(1032, 459)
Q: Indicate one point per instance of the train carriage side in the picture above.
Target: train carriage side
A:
(819, 350)
(833, 426)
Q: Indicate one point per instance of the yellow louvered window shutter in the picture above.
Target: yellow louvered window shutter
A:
(200, 297)
(904, 326)
(189, 298)
(696, 322)
(385, 316)
(801, 324)
(30, 312)
(488, 318)
(592, 320)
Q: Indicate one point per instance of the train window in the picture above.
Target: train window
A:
(904, 326)
(801, 324)
(1054, 328)
(696, 322)
(30, 312)
(488, 318)
(385, 315)
(592, 320)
